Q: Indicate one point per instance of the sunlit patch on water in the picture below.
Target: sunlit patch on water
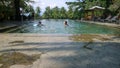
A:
(35, 24)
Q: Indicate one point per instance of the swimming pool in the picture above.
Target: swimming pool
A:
(56, 26)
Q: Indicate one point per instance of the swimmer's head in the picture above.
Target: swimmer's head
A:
(65, 23)
(39, 22)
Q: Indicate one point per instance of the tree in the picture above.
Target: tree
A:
(77, 14)
(78, 6)
(47, 13)
(115, 7)
(55, 12)
(70, 13)
(91, 3)
(81, 5)
(11, 8)
(108, 3)
(37, 14)
(6, 8)
(31, 9)
(63, 13)
(17, 10)
(25, 3)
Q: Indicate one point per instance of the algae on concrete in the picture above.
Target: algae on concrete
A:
(88, 38)
(12, 58)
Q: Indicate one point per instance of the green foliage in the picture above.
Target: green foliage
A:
(10, 8)
(70, 13)
(81, 5)
(62, 13)
(47, 13)
(89, 4)
(6, 8)
(37, 13)
(38, 10)
(55, 13)
(76, 9)
(115, 7)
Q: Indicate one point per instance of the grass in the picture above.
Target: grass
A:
(12, 58)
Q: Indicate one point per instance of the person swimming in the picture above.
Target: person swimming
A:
(40, 23)
(65, 23)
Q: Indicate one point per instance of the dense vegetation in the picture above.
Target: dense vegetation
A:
(14, 9)
(111, 6)
(55, 13)
(78, 9)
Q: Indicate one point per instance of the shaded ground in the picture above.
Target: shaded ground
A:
(62, 51)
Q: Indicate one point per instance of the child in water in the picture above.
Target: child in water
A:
(65, 23)
(40, 24)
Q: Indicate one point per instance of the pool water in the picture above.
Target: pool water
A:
(56, 26)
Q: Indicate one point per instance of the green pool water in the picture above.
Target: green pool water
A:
(56, 26)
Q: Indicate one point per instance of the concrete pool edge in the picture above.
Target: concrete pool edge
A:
(113, 25)
(60, 51)
(33, 37)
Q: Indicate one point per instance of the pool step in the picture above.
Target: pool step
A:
(3, 29)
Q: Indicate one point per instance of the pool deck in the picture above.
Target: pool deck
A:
(103, 23)
(64, 51)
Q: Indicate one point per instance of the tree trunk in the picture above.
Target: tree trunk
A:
(17, 10)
